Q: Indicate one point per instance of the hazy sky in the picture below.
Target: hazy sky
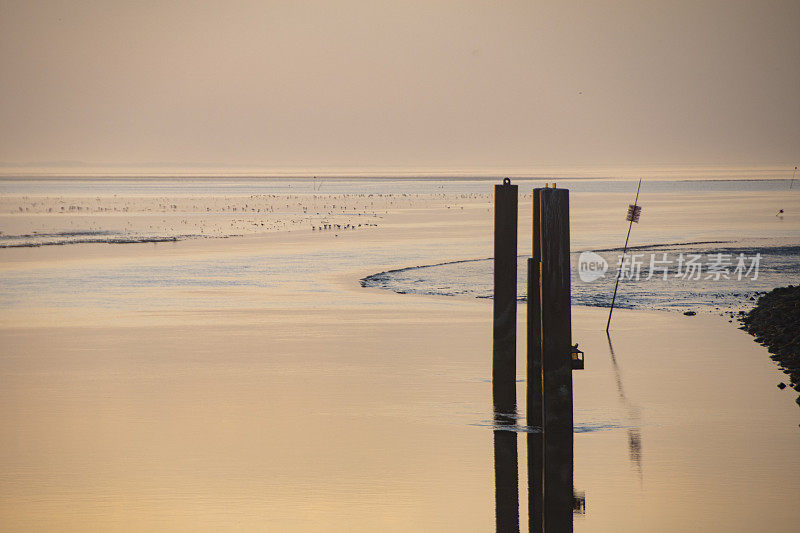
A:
(428, 84)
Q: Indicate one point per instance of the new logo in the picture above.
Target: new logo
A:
(591, 267)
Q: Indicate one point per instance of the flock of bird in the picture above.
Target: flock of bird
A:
(205, 216)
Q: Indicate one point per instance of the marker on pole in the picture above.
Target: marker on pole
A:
(634, 212)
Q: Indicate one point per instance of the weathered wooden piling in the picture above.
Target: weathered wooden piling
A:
(549, 400)
(504, 357)
(556, 358)
(534, 392)
(505, 296)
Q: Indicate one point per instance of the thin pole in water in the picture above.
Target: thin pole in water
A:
(622, 261)
(793, 174)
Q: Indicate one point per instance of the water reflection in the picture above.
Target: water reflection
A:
(634, 416)
(535, 481)
(506, 476)
(561, 501)
(549, 510)
(506, 472)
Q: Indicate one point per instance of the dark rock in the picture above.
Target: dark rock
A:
(689, 313)
(781, 385)
(775, 323)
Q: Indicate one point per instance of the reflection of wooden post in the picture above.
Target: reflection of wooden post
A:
(504, 373)
(556, 358)
(506, 481)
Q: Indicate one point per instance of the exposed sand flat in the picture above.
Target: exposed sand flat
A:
(139, 213)
(208, 216)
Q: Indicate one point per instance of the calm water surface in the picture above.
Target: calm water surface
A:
(265, 390)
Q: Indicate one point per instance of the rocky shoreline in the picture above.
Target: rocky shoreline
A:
(775, 323)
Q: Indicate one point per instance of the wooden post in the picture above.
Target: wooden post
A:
(504, 362)
(556, 337)
(549, 399)
(534, 393)
(504, 357)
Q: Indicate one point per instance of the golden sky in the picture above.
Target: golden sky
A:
(415, 85)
